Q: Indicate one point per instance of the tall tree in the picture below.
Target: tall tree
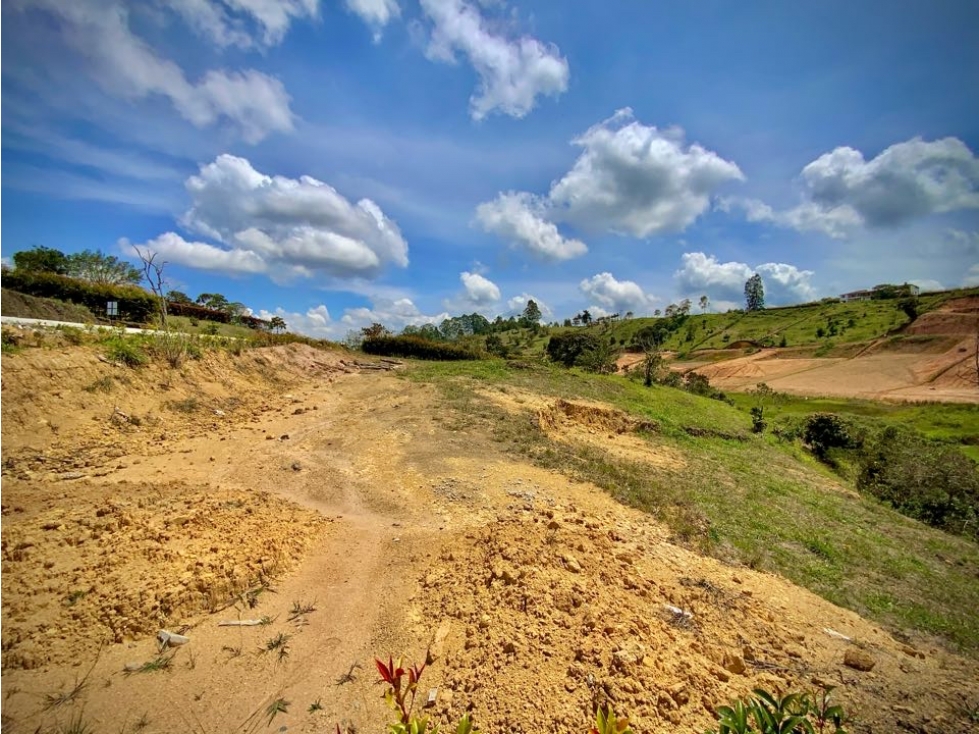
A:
(277, 324)
(531, 314)
(213, 300)
(704, 303)
(97, 267)
(41, 259)
(754, 293)
(178, 297)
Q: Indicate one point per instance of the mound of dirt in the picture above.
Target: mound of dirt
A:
(600, 418)
(13, 303)
(549, 611)
(86, 564)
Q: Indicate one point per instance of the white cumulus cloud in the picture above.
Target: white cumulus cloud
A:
(127, 66)
(517, 304)
(630, 179)
(375, 13)
(480, 291)
(395, 314)
(519, 219)
(513, 72)
(639, 180)
(242, 23)
(315, 322)
(841, 190)
(615, 296)
(700, 273)
(280, 226)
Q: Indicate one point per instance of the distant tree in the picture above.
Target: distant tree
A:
(586, 317)
(178, 297)
(277, 324)
(213, 300)
(684, 308)
(754, 293)
(97, 267)
(628, 314)
(657, 312)
(531, 315)
(704, 303)
(374, 331)
(40, 259)
(909, 306)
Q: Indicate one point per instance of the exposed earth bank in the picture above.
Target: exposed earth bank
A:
(341, 510)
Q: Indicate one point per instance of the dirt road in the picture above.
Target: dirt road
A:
(289, 479)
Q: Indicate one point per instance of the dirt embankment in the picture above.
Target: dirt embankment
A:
(933, 360)
(342, 514)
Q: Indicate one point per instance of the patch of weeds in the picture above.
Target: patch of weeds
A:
(9, 342)
(73, 335)
(187, 405)
(279, 645)
(125, 351)
(301, 608)
(315, 706)
(75, 725)
(278, 706)
(65, 698)
(163, 662)
(266, 620)
(141, 723)
(103, 384)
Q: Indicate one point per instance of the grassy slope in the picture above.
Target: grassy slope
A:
(949, 422)
(767, 504)
(798, 324)
(13, 303)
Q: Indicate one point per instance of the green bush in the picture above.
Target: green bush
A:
(936, 484)
(417, 347)
(126, 351)
(135, 304)
(795, 713)
(825, 431)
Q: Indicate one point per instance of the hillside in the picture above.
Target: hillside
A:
(535, 527)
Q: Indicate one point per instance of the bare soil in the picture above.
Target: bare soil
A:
(933, 360)
(350, 513)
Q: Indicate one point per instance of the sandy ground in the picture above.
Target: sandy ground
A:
(288, 479)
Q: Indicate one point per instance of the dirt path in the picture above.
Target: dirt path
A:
(539, 596)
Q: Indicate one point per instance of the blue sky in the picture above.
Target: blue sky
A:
(346, 161)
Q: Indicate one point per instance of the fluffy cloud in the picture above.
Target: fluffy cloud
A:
(615, 296)
(519, 219)
(126, 66)
(701, 273)
(512, 72)
(316, 322)
(638, 180)
(480, 291)
(517, 304)
(227, 23)
(841, 190)
(395, 314)
(281, 226)
(375, 13)
(630, 179)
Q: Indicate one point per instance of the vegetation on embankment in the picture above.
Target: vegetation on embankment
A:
(743, 497)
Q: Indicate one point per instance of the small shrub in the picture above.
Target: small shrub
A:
(417, 347)
(825, 431)
(126, 351)
(758, 423)
(795, 713)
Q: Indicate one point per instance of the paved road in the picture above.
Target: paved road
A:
(18, 321)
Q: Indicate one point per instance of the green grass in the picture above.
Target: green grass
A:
(953, 423)
(746, 498)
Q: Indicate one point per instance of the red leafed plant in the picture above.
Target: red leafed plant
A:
(402, 682)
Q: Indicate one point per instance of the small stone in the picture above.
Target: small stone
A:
(571, 562)
(859, 660)
(296, 466)
(132, 667)
(284, 437)
(734, 663)
(509, 647)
